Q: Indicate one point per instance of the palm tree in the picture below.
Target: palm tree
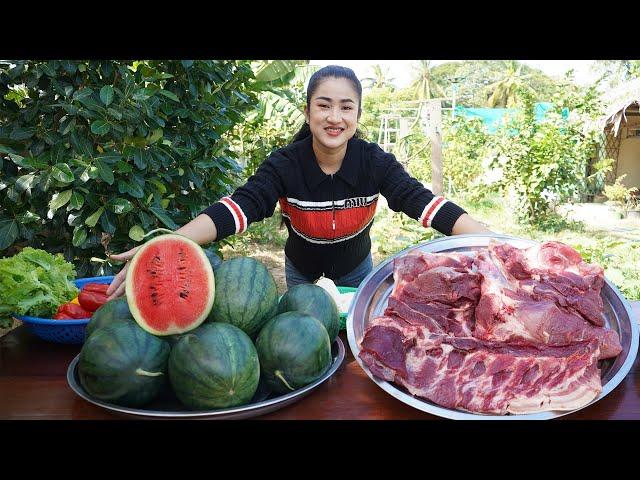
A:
(380, 78)
(423, 84)
(504, 92)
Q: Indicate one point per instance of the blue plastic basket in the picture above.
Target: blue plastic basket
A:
(62, 331)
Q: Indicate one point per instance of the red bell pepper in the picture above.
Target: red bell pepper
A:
(93, 296)
(69, 310)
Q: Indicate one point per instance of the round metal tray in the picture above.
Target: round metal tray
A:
(371, 300)
(168, 406)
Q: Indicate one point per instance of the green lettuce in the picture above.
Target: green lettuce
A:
(35, 283)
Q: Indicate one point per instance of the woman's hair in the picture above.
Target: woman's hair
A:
(330, 71)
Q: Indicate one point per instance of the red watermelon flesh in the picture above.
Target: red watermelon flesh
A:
(170, 285)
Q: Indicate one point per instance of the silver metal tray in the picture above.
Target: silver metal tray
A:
(167, 406)
(371, 298)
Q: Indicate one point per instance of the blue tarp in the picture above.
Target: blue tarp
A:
(492, 117)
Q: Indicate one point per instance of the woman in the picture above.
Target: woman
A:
(327, 182)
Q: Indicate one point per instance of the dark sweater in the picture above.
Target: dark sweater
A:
(329, 216)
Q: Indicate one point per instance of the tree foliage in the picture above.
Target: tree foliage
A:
(545, 163)
(472, 77)
(94, 153)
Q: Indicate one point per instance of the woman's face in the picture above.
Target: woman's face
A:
(333, 113)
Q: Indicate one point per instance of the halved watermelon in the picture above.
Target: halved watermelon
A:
(170, 285)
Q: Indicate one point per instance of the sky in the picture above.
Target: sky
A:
(401, 69)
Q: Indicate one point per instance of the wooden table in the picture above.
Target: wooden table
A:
(33, 385)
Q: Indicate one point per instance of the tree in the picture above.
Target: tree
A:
(618, 70)
(279, 113)
(471, 78)
(424, 84)
(380, 78)
(94, 153)
(504, 92)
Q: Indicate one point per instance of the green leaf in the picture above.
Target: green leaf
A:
(95, 216)
(163, 217)
(8, 233)
(22, 133)
(158, 184)
(275, 69)
(140, 159)
(104, 171)
(121, 205)
(81, 144)
(60, 199)
(100, 127)
(155, 136)
(5, 149)
(114, 113)
(136, 233)
(76, 201)
(123, 167)
(62, 173)
(25, 182)
(27, 217)
(187, 63)
(82, 93)
(106, 94)
(107, 221)
(68, 126)
(169, 95)
(79, 236)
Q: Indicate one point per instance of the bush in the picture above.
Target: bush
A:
(544, 164)
(94, 153)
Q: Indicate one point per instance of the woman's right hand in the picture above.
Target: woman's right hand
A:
(117, 286)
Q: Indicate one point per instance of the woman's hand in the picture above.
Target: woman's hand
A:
(117, 286)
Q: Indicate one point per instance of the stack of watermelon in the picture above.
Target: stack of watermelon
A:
(206, 329)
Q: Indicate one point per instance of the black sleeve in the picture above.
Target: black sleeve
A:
(251, 202)
(406, 194)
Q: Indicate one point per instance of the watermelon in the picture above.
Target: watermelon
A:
(246, 295)
(170, 285)
(113, 310)
(214, 259)
(214, 366)
(294, 351)
(315, 301)
(122, 364)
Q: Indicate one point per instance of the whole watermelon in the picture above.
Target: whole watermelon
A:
(214, 259)
(294, 351)
(112, 311)
(315, 301)
(246, 295)
(124, 365)
(214, 366)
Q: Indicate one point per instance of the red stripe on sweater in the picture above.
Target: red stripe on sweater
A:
(237, 211)
(425, 221)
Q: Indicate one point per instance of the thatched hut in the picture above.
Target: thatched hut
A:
(621, 133)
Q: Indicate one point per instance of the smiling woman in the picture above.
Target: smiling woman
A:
(327, 182)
